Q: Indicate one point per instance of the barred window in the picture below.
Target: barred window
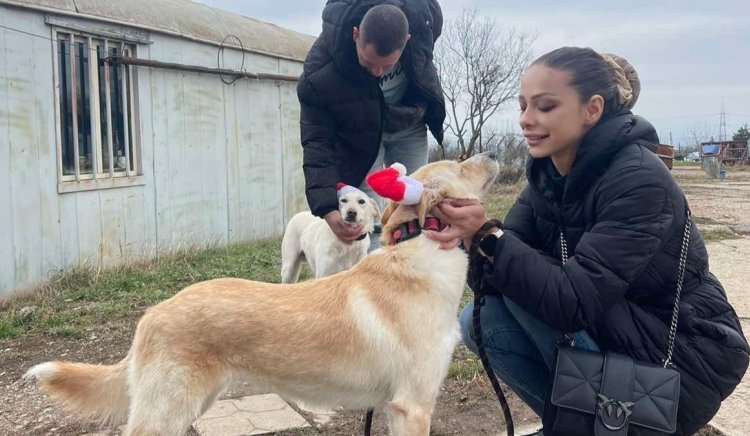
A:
(96, 108)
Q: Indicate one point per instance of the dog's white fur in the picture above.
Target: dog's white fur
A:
(309, 238)
(378, 335)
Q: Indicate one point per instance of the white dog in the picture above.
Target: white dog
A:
(379, 335)
(309, 238)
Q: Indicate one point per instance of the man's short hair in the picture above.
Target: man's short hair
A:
(386, 28)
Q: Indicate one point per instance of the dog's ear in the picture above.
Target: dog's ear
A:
(429, 199)
(390, 206)
(375, 209)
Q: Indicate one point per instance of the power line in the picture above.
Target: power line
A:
(27, 33)
(708, 115)
(73, 45)
(219, 56)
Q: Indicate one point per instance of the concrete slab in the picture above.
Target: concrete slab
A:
(526, 429)
(276, 420)
(321, 416)
(234, 425)
(251, 415)
(260, 403)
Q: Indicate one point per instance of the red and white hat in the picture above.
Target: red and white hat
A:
(343, 189)
(393, 183)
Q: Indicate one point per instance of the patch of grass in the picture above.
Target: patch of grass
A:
(86, 297)
(683, 163)
(10, 327)
(719, 234)
(67, 332)
(704, 220)
(465, 365)
(465, 369)
(501, 198)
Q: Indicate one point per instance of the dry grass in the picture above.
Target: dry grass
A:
(87, 297)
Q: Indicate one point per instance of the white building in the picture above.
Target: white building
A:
(111, 160)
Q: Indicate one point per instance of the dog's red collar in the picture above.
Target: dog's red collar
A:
(412, 229)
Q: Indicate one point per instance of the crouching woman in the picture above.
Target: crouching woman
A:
(600, 199)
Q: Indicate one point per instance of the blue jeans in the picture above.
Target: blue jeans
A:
(408, 147)
(521, 349)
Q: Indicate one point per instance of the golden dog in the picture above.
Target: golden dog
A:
(379, 335)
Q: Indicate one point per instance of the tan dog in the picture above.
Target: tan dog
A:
(379, 335)
(309, 238)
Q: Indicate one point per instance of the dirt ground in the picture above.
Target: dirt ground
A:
(717, 203)
(722, 207)
(465, 407)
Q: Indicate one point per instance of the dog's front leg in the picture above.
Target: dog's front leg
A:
(407, 419)
(325, 265)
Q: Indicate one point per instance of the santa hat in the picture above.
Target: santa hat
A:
(393, 183)
(343, 189)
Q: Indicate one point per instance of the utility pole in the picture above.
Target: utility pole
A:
(723, 124)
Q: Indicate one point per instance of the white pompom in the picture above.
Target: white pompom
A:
(400, 168)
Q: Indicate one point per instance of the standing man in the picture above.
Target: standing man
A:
(368, 92)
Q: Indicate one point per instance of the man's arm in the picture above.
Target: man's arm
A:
(318, 135)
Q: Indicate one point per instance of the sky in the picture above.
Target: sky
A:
(692, 56)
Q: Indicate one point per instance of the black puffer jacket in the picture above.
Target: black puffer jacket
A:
(623, 216)
(342, 105)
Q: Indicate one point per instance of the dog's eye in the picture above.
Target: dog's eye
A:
(343, 200)
(361, 201)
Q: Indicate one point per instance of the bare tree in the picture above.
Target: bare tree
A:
(446, 150)
(698, 133)
(480, 69)
(513, 150)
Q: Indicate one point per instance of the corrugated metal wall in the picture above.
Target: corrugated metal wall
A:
(221, 163)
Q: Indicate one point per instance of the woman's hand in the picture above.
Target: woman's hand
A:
(463, 216)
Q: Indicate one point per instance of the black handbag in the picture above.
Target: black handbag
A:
(608, 394)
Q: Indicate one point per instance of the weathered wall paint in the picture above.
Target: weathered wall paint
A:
(221, 163)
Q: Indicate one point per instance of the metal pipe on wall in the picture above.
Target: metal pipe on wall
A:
(127, 60)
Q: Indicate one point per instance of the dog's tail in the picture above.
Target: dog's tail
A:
(97, 392)
(291, 255)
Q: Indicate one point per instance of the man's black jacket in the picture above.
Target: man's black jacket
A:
(342, 106)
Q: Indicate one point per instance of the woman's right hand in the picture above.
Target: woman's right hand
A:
(464, 218)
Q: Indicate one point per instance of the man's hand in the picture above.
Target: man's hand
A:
(346, 232)
(463, 216)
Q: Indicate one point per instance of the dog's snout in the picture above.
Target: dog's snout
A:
(351, 214)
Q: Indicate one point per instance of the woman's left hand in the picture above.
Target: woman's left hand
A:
(464, 218)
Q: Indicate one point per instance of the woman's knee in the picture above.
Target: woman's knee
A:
(500, 330)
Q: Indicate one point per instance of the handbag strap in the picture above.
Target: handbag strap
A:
(680, 279)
